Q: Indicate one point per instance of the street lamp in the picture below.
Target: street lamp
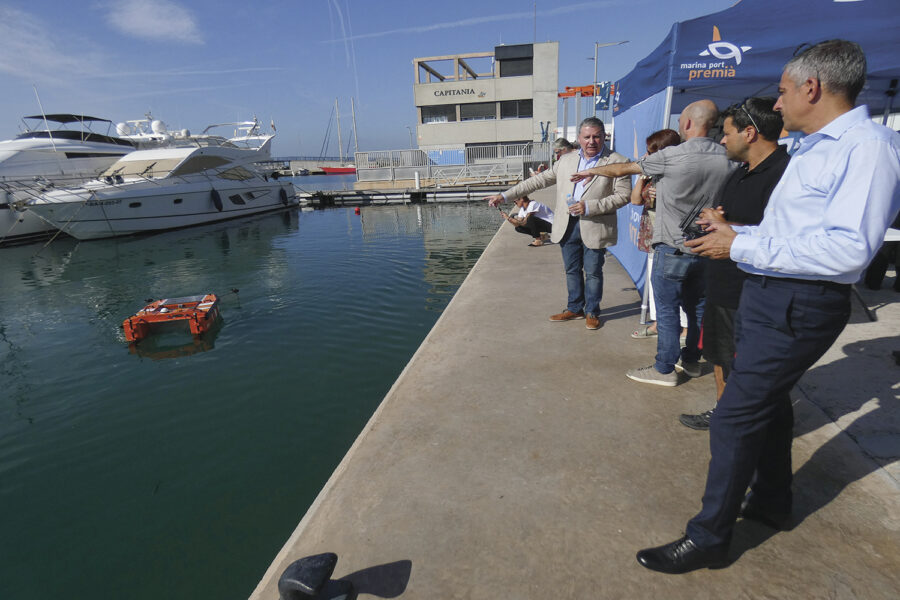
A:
(597, 46)
(410, 137)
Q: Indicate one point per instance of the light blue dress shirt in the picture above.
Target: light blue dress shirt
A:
(585, 163)
(827, 216)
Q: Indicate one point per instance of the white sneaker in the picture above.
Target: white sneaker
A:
(691, 369)
(651, 375)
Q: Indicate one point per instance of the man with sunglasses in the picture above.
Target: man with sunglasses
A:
(825, 220)
(751, 130)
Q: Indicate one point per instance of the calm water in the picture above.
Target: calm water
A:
(180, 471)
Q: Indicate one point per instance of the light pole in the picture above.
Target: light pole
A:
(597, 46)
(410, 137)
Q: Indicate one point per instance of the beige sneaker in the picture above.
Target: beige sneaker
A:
(567, 315)
(651, 375)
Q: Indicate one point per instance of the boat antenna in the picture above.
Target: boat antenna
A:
(47, 125)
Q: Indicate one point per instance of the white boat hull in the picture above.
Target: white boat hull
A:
(88, 214)
(17, 226)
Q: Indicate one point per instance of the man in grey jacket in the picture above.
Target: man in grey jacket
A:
(690, 176)
(584, 222)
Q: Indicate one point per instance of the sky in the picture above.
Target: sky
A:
(192, 63)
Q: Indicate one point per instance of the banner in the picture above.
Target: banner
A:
(632, 128)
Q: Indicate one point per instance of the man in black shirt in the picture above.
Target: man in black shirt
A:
(751, 129)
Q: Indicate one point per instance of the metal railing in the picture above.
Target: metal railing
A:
(453, 165)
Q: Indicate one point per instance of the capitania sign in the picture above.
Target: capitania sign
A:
(462, 92)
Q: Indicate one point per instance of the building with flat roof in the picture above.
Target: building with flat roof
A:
(508, 96)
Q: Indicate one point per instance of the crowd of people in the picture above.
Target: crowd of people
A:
(756, 248)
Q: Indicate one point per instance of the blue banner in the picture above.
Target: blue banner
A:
(631, 130)
(741, 51)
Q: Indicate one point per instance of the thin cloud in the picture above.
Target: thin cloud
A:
(155, 20)
(482, 20)
(163, 92)
(185, 72)
(31, 50)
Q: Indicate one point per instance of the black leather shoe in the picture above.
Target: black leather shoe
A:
(777, 521)
(682, 556)
(699, 422)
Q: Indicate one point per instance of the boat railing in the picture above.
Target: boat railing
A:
(454, 164)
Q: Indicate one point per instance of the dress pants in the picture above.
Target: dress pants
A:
(783, 327)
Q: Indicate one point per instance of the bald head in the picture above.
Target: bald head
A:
(697, 119)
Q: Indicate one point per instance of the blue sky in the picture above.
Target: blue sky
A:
(197, 62)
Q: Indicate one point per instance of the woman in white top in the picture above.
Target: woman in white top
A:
(533, 219)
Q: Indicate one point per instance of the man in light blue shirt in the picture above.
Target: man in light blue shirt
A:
(824, 222)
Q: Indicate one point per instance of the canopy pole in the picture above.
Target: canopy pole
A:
(892, 91)
(667, 113)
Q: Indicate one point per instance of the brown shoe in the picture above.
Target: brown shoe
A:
(592, 322)
(567, 315)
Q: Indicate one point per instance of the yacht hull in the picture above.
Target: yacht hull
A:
(21, 226)
(88, 214)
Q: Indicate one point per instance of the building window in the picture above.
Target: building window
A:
(516, 109)
(515, 67)
(443, 113)
(479, 111)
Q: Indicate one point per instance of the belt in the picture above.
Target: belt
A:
(764, 280)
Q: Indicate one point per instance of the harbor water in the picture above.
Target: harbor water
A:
(177, 468)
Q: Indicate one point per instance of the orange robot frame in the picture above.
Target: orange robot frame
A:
(199, 311)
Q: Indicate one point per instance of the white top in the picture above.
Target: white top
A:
(541, 210)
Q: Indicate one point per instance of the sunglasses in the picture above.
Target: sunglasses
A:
(747, 112)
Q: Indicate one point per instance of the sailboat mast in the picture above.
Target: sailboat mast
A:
(340, 141)
(353, 113)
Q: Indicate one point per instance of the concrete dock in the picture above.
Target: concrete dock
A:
(512, 459)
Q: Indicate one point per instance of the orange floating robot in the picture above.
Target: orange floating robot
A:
(200, 312)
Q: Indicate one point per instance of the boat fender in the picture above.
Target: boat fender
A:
(216, 199)
(284, 196)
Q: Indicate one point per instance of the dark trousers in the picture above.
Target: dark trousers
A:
(782, 329)
(534, 226)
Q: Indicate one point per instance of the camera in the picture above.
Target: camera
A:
(693, 232)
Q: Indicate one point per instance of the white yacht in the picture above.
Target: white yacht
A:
(165, 188)
(54, 149)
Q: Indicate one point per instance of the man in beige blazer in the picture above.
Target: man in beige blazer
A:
(584, 218)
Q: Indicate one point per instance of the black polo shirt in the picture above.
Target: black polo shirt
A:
(744, 197)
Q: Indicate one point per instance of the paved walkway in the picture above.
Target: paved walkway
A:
(513, 459)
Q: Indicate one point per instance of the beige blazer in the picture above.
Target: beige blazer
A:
(603, 196)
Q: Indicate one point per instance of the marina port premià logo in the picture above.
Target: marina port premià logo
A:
(721, 69)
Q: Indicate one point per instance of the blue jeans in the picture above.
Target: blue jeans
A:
(785, 327)
(678, 281)
(585, 289)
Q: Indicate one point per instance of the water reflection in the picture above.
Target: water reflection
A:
(118, 462)
(161, 346)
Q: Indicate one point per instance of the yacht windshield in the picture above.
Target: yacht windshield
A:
(156, 168)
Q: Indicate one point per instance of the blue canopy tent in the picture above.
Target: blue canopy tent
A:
(737, 53)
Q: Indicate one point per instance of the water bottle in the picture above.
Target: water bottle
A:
(570, 200)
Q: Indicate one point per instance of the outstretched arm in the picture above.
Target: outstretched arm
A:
(611, 170)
